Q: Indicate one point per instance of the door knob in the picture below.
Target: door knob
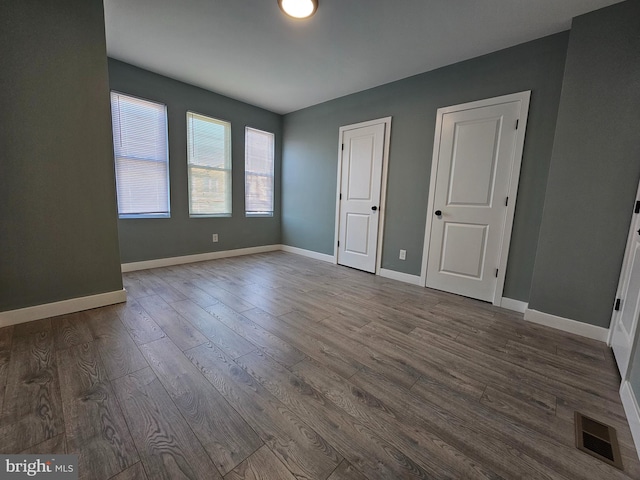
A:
(374, 208)
(438, 213)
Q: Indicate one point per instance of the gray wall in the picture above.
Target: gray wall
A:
(58, 237)
(145, 239)
(594, 169)
(310, 154)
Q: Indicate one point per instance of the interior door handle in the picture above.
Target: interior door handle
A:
(438, 213)
(374, 208)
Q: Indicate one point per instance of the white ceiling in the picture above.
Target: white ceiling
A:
(248, 50)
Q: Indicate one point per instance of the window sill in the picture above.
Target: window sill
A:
(212, 215)
(144, 215)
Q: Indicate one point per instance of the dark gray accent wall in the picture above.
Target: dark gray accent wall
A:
(310, 154)
(594, 169)
(153, 238)
(58, 232)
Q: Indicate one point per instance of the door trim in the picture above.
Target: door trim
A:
(624, 271)
(622, 284)
(524, 98)
(383, 186)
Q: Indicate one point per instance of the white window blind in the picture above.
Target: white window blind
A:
(258, 168)
(141, 157)
(209, 162)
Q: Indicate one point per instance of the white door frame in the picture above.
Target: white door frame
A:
(524, 98)
(383, 186)
(624, 272)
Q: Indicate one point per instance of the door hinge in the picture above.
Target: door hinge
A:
(637, 209)
(517, 123)
(342, 146)
(340, 196)
(617, 305)
(338, 242)
(497, 270)
(506, 202)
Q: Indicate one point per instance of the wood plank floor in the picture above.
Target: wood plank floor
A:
(277, 367)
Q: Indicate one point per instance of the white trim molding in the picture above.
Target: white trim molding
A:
(401, 277)
(37, 312)
(514, 305)
(323, 257)
(567, 325)
(200, 257)
(632, 412)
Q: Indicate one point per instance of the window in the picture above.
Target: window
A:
(258, 172)
(141, 156)
(209, 161)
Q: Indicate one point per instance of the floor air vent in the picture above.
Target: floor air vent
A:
(598, 440)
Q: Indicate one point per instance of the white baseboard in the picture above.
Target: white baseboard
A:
(567, 325)
(401, 277)
(308, 253)
(22, 315)
(514, 305)
(632, 412)
(200, 257)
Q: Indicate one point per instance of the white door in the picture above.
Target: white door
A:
(477, 155)
(625, 319)
(359, 196)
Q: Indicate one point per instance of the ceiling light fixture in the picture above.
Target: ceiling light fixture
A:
(298, 8)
